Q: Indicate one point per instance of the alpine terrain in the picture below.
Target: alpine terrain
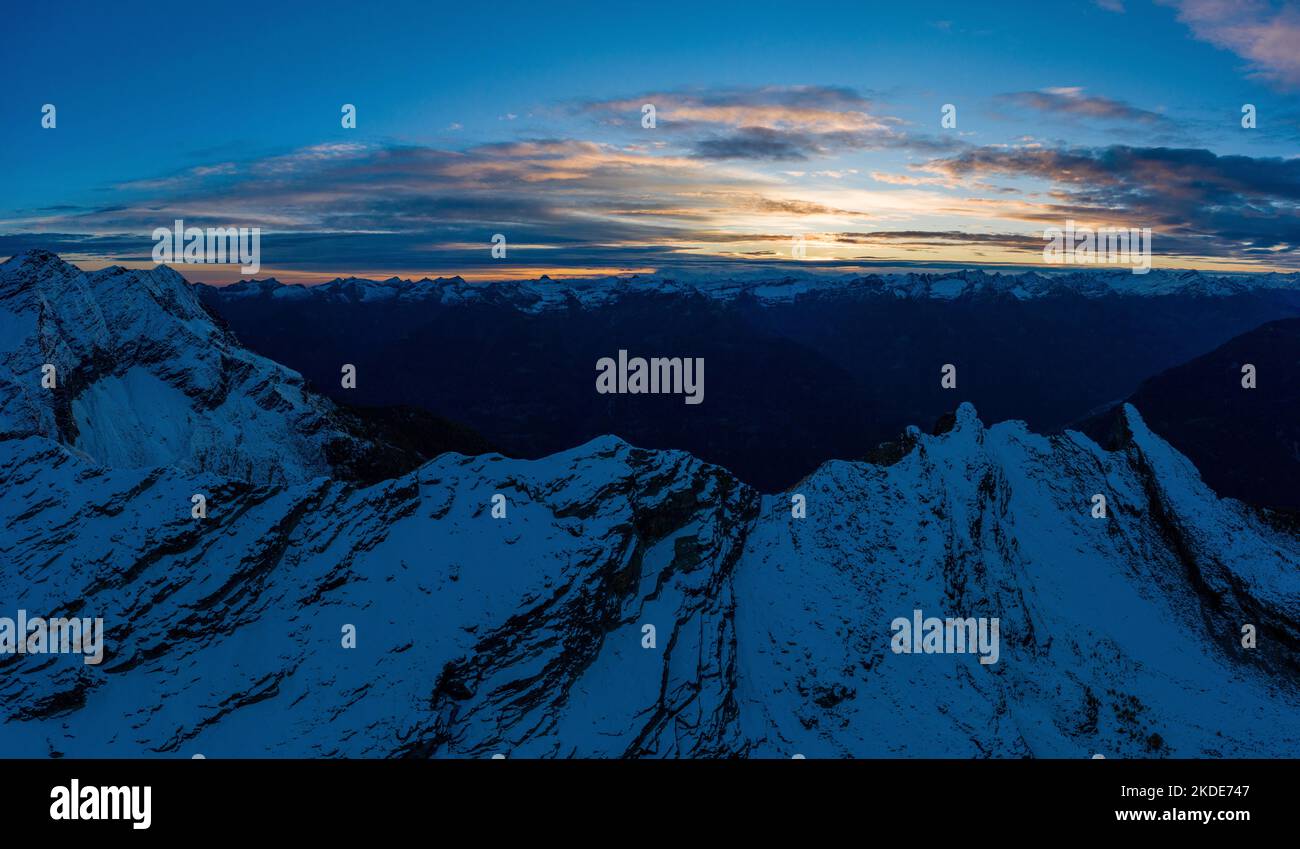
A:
(629, 603)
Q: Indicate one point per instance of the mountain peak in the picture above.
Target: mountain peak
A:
(35, 256)
(38, 260)
(147, 378)
(24, 269)
(168, 273)
(967, 418)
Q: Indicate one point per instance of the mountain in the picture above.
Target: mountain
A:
(767, 286)
(525, 635)
(799, 370)
(1245, 442)
(145, 376)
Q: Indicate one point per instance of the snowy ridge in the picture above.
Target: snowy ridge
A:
(523, 636)
(544, 294)
(1109, 644)
(145, 377)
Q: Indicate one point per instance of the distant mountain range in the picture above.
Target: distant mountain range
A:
(798, 370)
(525, 635)
(770, 287)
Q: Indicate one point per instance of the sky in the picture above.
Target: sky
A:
(774, 122)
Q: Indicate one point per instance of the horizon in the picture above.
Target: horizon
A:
(729, 270)
(872, 136)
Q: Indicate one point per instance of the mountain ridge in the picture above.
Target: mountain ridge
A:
(544, 294)
(524, 635)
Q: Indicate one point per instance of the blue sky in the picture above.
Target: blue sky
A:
(773, 120)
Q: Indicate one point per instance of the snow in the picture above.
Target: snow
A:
(771, 287)
(156, 380)
(522, 635)
(773, 633)
(131, 421)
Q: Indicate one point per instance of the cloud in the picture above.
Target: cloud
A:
(1233, 203)
(1267, 37)
(190, 176)
(587, 202)
(759, 143)
(1071, 100)
(792, 206)
(930, 238)
(772, 123)
(326, 206)
(701, 180)
(814, 109)
(910, 179)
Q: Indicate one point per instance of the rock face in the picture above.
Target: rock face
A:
(146, 377)
(525, 635)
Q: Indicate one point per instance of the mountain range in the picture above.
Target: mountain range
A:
(500, 606)
(799, 370)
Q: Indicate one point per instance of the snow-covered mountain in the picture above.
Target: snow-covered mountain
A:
(143, 376)
(545, 294)
(525, 635)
